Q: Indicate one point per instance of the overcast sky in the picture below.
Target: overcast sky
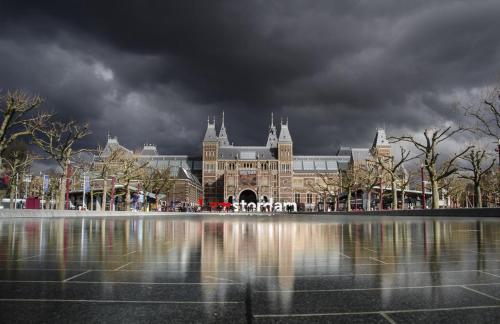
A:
(152, 71)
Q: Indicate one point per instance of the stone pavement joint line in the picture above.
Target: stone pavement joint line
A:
(387, 317)
(480, 292)
(378, 312)
(118, 301)
(76, 276)
(123, 266)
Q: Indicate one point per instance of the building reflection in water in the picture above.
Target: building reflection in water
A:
(270, 254)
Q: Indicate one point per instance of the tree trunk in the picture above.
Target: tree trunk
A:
(12, 196)
(394, 190)
(349, 199)
(104, 192)
(127, 196)
(369, 200)
(403, 193)
(435, 194)
(62, 191)
(477, 192)
(91, 196)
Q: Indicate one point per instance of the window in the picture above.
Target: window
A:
(309, 198)
(297, 198)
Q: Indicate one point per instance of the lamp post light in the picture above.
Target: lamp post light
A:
(423, 185)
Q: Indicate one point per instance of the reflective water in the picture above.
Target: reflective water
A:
(242, 269)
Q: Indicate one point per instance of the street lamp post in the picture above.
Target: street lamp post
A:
(423, 185)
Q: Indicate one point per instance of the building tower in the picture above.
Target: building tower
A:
(285, 160)
(223, 139)
(272, 138)
(381, 146)
(210, 152)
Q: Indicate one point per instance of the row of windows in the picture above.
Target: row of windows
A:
(209, 167)
(285, 167)
(249, 165)
(209, 153)
(309, 198)
(285, 152)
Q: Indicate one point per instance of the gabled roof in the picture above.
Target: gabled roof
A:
(182, 173)
(319, 164)
(113, 145)
(360, 154)
(149, 149)
(166, 161)
(247, 153)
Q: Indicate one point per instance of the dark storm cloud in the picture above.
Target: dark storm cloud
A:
(153, 70)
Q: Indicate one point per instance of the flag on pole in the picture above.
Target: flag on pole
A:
(86, 182)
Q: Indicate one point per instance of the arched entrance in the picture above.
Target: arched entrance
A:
(249, 196)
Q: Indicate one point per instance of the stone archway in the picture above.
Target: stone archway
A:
(248, 195)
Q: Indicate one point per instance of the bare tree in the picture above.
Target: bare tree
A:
(456, 189)
(476, 170)
(487, 115)
(58, 139)
(17, 161)
(17, 113)
(429, 149)
(369, 175)
(157, 181)
(490, 185)
(348, 181)
(130, 168)
(405, 177)
(326, 186)
(106, 163)
(393, 171)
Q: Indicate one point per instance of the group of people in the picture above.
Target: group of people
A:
(137, 201)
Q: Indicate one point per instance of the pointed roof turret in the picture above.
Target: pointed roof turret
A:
(380, 138)
(285, 136)
(381, 146)
(223, 139)
(272, 138)
(210, 134)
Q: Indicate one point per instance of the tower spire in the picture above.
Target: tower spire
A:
(272, 138)
(223, 138)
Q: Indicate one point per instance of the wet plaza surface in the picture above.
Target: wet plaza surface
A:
(236, 269)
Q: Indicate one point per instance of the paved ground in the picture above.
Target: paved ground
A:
(250, 269)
